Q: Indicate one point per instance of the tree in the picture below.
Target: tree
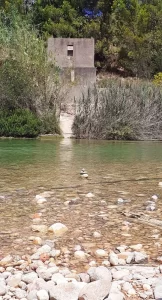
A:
(28, 80)
(137, 30)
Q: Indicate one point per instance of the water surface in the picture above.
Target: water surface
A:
(128, 170)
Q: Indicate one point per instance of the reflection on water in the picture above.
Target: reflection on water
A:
(29, 167)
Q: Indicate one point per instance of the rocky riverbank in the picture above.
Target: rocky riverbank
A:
(61, 263)
(125, 273)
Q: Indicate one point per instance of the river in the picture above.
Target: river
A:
(127, 170)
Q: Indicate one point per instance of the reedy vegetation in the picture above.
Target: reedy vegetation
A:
(28, 79)
(122, 110)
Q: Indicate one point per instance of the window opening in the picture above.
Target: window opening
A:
(70, 50)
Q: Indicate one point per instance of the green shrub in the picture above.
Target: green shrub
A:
(50, 123)
(19, 123)
(158, 78)
(122, 110)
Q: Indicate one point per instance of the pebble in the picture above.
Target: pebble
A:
(2, 289)
(137, 247)
(120, 274)
(39, 228)
(6, 260)
(81, 255)
(30, 277)
(101, 253)
(95, 290)
(41, 200)
(158, 291)
(58, 229)
(113, 258)
(131, 292)
(97, 234)
(146, 287)
(89, 195)
(99, 273)
(42, 295)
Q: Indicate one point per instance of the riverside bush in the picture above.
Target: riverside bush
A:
(122, 110)
(19, 123)
(28, 78)
(50, 123)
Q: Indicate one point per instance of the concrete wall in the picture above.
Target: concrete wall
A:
(77, 71)
(79, 76)
(83, 53)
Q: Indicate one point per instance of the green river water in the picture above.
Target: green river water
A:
(128, 170)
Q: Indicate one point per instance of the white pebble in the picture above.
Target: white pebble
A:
(146, 287)
(97, 234)
(92, 263)
(131, 292)
(101, 253)
(42, 295)
(89, 195)
(113, 258)
(80, 255)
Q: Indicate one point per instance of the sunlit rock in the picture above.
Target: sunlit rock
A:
(6, 260)
(42, 295)
(66, 291)
(39, 228)
(101, 253)
(118, 275)
(137, 247)
(81, 255)
(154, 197)
(29, 277)
(146, 287)
(3, 289)
(140, 258)
(14, 280)
(89, 195)
(97, 234)
(95, 290)
(58, 229)
(37, 241)
(99, 273)
(92, 263)
(131, 292)
(40, 200)
(113, 258)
